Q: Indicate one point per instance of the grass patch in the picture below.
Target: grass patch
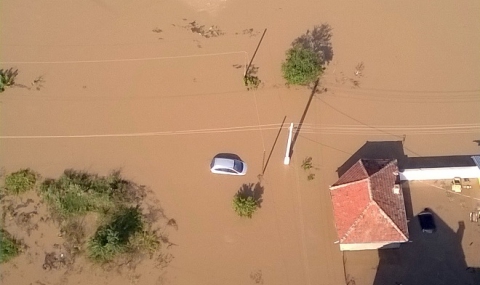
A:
(144, 241)
(9, 246)
(19, 182)
(123, 233)
(76, 193)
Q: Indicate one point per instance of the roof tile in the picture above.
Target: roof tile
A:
(365, 207)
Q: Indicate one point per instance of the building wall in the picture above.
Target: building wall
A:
(367, 246)
(440, 173)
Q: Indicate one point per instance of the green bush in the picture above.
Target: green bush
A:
(9, 247)
(244, 206)
(302, 66)
(7, 78)
(113, 238)
(251, 81)
(77, 192)
(20, 182)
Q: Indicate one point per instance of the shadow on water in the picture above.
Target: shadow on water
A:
(436, 258)
(254, 190)
(318, 40)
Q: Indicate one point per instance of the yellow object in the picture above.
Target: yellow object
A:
(457, 185)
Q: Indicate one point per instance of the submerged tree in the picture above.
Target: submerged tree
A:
(305, 60)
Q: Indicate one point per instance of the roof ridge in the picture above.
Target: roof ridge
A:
(352, 227)
(363, 167)
(348, 184)
(390, 220)
(392, 161)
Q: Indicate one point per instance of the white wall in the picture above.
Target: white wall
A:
(440, 173)
(366, 246)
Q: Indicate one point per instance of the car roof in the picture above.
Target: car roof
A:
(223, 163)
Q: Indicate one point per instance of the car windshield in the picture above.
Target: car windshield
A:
(238, 165)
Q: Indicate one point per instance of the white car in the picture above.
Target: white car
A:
(229, 166)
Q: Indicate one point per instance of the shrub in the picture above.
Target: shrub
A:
(9, 246)
(251, 81)
(7, 78)
(302, 66)
(113, 239)
(144, 241)
(244, 206)
(20, 182)
(77, 192)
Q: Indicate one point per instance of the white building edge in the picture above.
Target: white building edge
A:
(467, 170)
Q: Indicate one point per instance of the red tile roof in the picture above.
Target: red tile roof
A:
(355, 173)
(366, 209)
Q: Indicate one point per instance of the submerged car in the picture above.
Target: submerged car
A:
(427, 223)
(229, 166)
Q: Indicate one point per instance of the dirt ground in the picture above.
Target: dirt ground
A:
(106, 68)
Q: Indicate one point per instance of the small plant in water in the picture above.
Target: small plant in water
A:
(7, 78)
(251, 81)
(244, 206)
(307, 163)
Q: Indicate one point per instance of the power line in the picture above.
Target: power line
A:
(369, 90)
(122, 59)
(147, 134)
(352, 95)
(402, 99)
(306, 128)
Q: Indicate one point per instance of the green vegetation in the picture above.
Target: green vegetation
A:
(7, 78)
(244, 206)
(251, 81)
(76, 193)
(144, 241)
(79, 197)
(307, 57)
(9, 246)
(20, 182)
(302, 66)
(307, 163)
(125, 232)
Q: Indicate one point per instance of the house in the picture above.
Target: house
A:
(368, 205)
(441, 167)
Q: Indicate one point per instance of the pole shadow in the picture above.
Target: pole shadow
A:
(299, 127)
(273, 146)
